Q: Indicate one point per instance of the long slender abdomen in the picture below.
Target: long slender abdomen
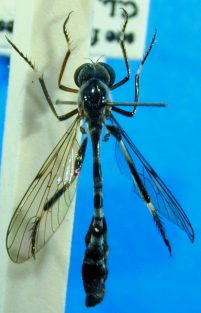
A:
(94, 268)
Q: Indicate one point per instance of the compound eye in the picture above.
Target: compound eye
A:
(83, 73)
(100, 70)
(110, 72)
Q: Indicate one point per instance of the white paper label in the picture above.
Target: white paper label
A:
(107, 22)
(7, 9)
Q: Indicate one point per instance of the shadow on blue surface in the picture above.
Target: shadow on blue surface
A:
(4, 65)
(142, 277)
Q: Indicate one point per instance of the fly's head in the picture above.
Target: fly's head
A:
(94, 81)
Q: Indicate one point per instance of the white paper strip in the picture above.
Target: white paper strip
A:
(7, 14)
(107, 22)
(31, 131)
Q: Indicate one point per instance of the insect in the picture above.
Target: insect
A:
(48, 198)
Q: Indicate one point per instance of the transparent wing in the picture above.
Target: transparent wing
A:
(163, 200)
(47, 200)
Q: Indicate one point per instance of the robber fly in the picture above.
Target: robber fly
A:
(48, 198)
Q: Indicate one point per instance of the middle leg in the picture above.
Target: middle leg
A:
(137, 82)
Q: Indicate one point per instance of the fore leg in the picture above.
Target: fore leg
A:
(66, 34)
(123, 49)
(42, 83)
(137, 75)
(137, 82)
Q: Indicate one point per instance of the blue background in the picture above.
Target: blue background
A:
(4, 66)
(142, 277)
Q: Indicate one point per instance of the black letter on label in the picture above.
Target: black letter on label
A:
(94, 38)
(130, 37)
(110, 36)
(113, 5)
(115, 36)
(130, 7)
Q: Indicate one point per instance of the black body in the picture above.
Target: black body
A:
(94, 81)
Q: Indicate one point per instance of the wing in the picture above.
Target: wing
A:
(47, 200)
(160, 196)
